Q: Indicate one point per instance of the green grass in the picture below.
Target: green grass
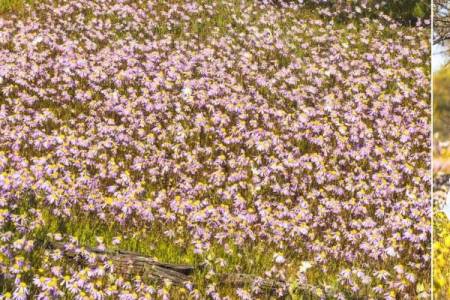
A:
(254, 258)
(16, 6)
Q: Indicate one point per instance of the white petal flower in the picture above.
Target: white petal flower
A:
(305, 266)
(279, 259)
(187, 91)
(37, 40)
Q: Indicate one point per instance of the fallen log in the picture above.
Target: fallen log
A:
(126, 256)
(132, 263)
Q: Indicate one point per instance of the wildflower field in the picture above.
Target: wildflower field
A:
(278, 140)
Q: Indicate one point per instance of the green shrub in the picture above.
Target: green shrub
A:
(407, 10)
(404, 11)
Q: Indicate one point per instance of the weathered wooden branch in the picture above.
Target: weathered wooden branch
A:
(131, 263)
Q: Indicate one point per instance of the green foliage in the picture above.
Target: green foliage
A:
(404, 11)
(407, 10)
(441, 102)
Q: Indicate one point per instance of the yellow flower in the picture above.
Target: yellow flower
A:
(112, 288)
(53, 282)
(439, 281)
(447, 241)
(109, 200)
